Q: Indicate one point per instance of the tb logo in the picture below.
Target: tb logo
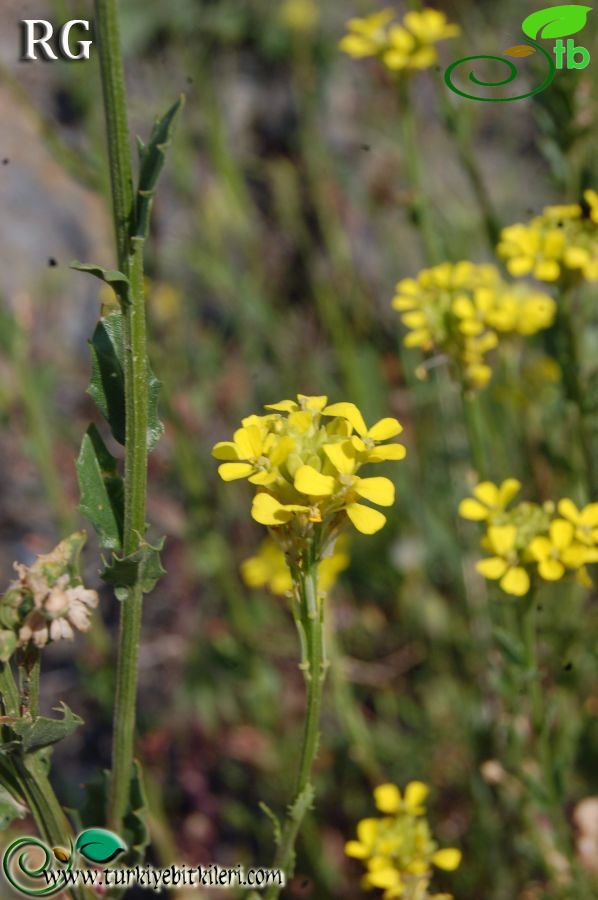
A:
(37, 36)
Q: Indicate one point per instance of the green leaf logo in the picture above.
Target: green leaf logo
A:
(98, 845)
(556, 22)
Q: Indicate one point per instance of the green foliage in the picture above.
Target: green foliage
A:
(151, 162)
(102, 490)
(142, 568)
(41, 731)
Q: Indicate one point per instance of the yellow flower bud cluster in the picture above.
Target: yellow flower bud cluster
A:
(268, 568)
(529, 537)
(304, 457)
(462, 310)
(409, 46)
(560, 243)
(398, 849)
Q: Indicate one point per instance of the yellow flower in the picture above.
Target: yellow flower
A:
(505, 565)
(300, 15)
(367, 36)
(559, 551)
(405, 47)
(268, 568)
(459, 309)
(398, 850)
(490, 500)
(550, 245)
(388, 798)
(256, 452)
(585, 521)
(305, 458)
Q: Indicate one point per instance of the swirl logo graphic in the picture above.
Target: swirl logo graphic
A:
(554, 22)
(94, 845)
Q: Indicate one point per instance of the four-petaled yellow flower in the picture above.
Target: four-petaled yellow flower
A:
(409, 46)
(505, 564)
(558, 551)
(490, 500)
(398, 850)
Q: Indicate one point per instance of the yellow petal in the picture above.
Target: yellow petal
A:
(225, 450)
(493, 568)
(472, 510)
(568, 510)
(283, 406)
(385, 429)
(575, 556)
(267, 510)
(507, 490)
(387, 452)
(448, 859)
(367, 832)
(589, 515)
(233, 470)
(385, 878)
(551, 569)
(415, 795)
(248, 441)
(356, 850)
(356, 46)
(313, 404)
(347, 411)
(342, 456)
(366, 520)
(378, 490)
(561, 533)
(540, 548)
(387, 798)
(309, 481)
(502, 538)
(487, 493)
(516, 582)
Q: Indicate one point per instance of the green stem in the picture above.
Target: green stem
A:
(475, 431)
(456, 127)
(571, 367)
(310, 625)
(130, 260)
(412, 157)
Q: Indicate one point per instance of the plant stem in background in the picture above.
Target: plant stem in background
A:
(420, 208)
(571, 365)
(309, 619)
(130, 261)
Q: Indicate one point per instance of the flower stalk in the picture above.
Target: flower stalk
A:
(309, 616)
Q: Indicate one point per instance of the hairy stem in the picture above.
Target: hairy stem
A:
(310, 624)
(130, 260)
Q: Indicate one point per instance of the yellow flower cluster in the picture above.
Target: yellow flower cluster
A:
(562, 241)
(460, 309)
(304, 456)
(268, 568)
(406, 47)
(529, 537)
(398, 849)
